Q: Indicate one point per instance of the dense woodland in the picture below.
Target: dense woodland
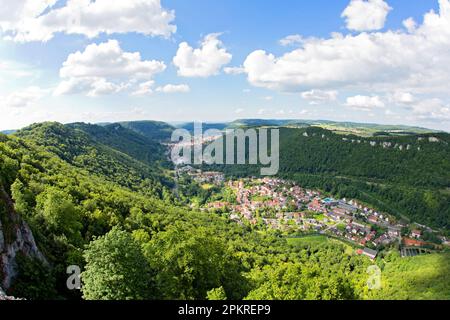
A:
(101, 197)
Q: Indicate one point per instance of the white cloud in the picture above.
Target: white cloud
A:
(319, 96)
(239, 111)
(104, 69)
(410, 25)
(21, 13)
(174, 88)
(431, 109)
(377, 61)
(401, 97)
(144, 88)
(202, 62)
(364, 103)
(294, 39)
(38, 20)
(268, 98)
(23, 98)
(234, 70)
(365, 15)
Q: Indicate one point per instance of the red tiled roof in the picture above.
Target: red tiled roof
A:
(412, 242)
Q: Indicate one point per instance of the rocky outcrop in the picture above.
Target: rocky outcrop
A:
(15, 237)
(4, 297)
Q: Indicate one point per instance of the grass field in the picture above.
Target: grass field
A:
(317, 240)
(207, 186)
(308, 240)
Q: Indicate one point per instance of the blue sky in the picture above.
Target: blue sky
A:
(378, 69)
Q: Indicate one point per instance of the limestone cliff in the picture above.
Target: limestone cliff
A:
(15, 237)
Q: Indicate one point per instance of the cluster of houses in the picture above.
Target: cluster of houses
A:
(285, 206)
(272, 197)
(200, 176)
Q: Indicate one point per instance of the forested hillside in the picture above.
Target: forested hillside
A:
(114, 153)
(159, 131)
(139, 147)
(407, 175)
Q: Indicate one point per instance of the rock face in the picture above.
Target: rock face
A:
(4, 297)
(15, 237)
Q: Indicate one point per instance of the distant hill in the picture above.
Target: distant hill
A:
(361, 129)
(111, 151)
(8, 131)
(266, 123)
(205, 126)
(139, 147)
(367, 129)
(159, 131)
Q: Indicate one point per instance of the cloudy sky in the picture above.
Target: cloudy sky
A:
(383, 61)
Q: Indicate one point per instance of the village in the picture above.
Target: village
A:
(276, 204)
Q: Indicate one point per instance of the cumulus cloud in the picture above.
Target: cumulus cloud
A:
(401, 97)
(319, 96)
(23, 98)
(104, 69)
(366, 15)
(174, 88)
(144, 88)
(364, 103)
(39, 20)
(147, 88)
(294, 39)
(410, 24)
(382, 61)
(202, 62)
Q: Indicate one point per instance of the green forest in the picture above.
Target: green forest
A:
(101, 197)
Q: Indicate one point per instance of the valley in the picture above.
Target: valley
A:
(88, 190)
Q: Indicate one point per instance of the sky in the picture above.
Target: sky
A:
(374, 61)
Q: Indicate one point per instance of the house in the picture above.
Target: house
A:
(330, 202)
(347, 207)
(416, 234)
(372, 254)
(413, 243)
(316, 205)
(373, 219)
(394, 232)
